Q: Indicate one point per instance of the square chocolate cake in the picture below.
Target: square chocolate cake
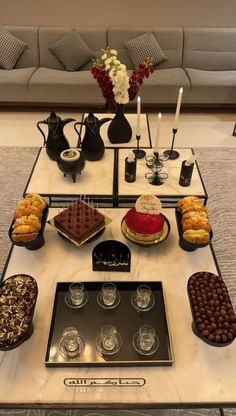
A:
(79, 221)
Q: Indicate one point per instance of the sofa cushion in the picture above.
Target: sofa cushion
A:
(72, 51)
(169, 39)
(58, 86)
(95, 38)
(143, 47)
(11, 49)
(163, 86)
(14, 84)
(210, 49)
(212, 87)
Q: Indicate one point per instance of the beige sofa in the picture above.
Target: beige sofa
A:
(201, 60)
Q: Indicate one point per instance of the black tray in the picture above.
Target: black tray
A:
(186, 245)
(89, 320)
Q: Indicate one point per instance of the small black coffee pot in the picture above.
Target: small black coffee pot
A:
(92, 144)
(56, 141)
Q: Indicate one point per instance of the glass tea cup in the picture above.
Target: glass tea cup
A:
(146, 337)
(143, 296)
(109, 337)
(77, 293)
(71, 344)
(109, 294)
(109, 341)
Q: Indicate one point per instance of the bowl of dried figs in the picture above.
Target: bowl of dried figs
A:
(18, 296)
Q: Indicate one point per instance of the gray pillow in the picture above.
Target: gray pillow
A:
(72, 51)
(143, 47)
(11, 49)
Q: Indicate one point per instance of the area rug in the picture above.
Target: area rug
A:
(218, 169)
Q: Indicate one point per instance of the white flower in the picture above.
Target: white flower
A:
(118, 74)
(108, 61)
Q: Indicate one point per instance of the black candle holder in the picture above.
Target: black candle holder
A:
(157, 177)
(234, 130)
(139, 153)
(173, 154)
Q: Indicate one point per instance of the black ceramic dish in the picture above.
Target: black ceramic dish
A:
(39, 241)
(186, 245)
(207, 313)
(30, 329)
(71, 162)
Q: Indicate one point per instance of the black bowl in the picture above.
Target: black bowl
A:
(71, 162)
(186, 245)
(39, 241)
(193, 305)
(30, 328)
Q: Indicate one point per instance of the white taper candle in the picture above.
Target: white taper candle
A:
(178, 108)
(158, 133)
(138, 131)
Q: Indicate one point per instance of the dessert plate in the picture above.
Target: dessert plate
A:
(131, 237)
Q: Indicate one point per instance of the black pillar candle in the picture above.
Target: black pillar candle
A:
(186, 173)
(130, 169)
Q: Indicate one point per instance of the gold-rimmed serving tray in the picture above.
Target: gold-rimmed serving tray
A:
(90, 319)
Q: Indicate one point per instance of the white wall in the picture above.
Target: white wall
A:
(104, 13)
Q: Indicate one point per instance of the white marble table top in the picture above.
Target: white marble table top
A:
(132, 118)
(201, 374)
(95, 179)
(170, 187)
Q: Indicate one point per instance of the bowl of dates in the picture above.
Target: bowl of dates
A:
(214, 319)
(18, 295)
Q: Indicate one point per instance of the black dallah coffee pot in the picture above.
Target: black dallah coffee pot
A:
(92, 144)
(56, 141)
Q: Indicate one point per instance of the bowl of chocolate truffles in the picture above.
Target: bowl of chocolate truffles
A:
(18, 295)
(214, 319)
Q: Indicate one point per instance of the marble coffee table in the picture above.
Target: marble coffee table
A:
(201, 375)
(170, 191)
(96, 181)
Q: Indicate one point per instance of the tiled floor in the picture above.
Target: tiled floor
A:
(196, 129)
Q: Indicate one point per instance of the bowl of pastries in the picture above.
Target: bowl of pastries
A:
(29, 219)
(193, 223)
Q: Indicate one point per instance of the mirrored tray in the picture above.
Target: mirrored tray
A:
(92, 317)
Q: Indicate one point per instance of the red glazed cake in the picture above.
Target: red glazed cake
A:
(79, 221)
(144, 222)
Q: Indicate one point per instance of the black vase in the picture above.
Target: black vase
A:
(119, 130)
